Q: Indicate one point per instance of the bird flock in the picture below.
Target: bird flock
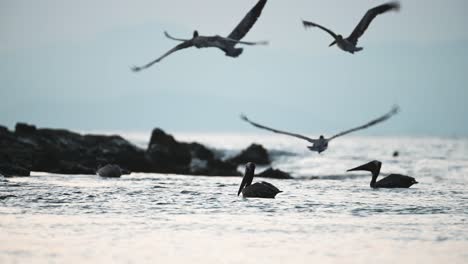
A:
(349, 44)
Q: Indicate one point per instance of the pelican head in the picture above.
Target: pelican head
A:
(373, 166)
(195, 34)
(248, 176)
(339, 37)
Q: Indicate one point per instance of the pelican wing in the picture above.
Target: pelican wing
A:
(250, 43)
(171, 37)
(249, 20)
(312, 24)
(368, 17)
(183, 45)
(243, 117)
(394, 110)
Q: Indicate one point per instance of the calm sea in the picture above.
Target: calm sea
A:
(325, 215)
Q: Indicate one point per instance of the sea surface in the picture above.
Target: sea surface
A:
(324, 215)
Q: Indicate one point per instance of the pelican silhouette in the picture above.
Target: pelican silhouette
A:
(258, 189)
(226, 44)
(321, 144)
(349, 44)
(391, 181)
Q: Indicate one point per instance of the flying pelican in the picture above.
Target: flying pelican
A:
(391, 181)
(226, 44)
(258, 189)
(321, 144)
(349, 44)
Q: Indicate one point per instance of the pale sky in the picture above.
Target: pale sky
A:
(66, 64)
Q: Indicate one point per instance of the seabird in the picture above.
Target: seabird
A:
(391, 181)
(349, 44)
(321, 144)
(226, 44)
(258, 189)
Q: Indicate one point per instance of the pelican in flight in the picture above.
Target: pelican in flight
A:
(349, 44)
(391, 181)
(258, 189)
(321, 144)
(226, 44)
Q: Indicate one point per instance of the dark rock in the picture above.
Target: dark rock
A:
(66, 152)
(3, 129)
(110, 170)
(275, 174)
(254, 153)
(166, 154)
(396, 154)
(9, 170)
(24, 129)
(213, 167)
(198, 151)
(67, 167)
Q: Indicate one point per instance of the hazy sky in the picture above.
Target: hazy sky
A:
(67, 64)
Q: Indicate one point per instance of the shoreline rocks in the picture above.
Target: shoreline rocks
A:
(274, 174)
(29, 148)
(9, 170)
(254, 153)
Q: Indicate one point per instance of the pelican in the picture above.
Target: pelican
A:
(258, 189)
(111, 170)
(349, 44)
(226, 44)
(321, 144)
(391, 181)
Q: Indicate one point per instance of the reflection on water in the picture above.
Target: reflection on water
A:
(334, 218)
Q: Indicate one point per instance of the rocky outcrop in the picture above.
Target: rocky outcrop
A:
(170, 156)
(111, 171)
(254, 153)
(275, 174)
(9, 170)
(66, 152)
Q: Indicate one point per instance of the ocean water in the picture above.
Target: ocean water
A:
(325, 215)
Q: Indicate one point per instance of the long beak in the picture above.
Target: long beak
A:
(364, 167)
(248, 176)
(333, 43)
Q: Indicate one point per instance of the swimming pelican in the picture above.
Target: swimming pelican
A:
(258, 189)
(321, 144)
(349, 44)
(226, 44)
(391, 181)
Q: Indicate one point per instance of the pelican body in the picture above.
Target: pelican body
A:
(226, 44)
(258, 189)
(391, 181)
(349, 44)
(321, 144)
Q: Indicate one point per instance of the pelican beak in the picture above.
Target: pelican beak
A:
(364, 167)
(333, 43)
(241, 186)
(248, 176)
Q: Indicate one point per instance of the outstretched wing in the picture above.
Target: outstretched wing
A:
(394, 110)
(368, 17)
(171, 37)
(243, 117)
(183, 45)
(247, 23)
(312, 24)
(250, 43)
